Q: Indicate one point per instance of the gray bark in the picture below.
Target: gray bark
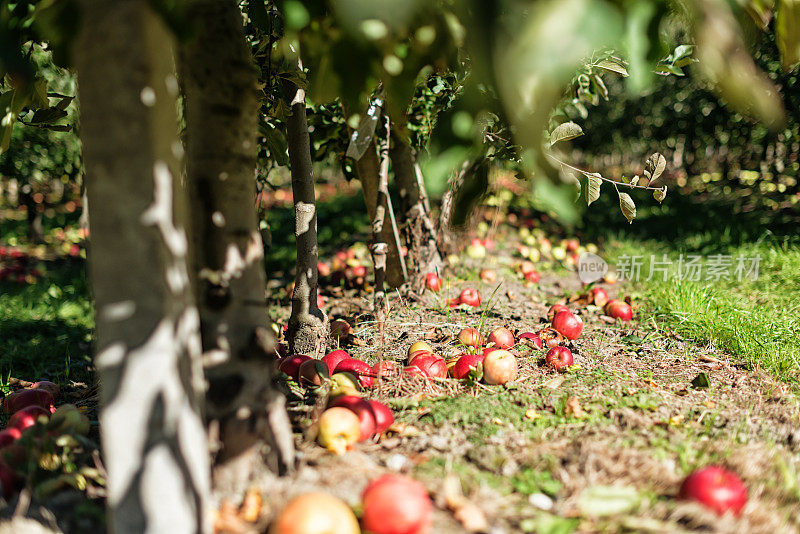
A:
(221, 109)
(148, 338)
(308, 325)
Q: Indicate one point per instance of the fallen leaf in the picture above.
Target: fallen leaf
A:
(651, 384)
(599, 501)
(357, 342)
(554, 383)
(510, 294)
(532, 414)
(574, 408)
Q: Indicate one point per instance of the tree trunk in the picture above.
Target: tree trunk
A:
(148, 338)
(243, 408)
(418, 231)
(308, 325)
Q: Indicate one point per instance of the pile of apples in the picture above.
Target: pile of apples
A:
(32, 414)
(390, 504)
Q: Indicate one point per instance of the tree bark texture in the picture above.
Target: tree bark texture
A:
(308, 325)
(148, 332)
(219, 81)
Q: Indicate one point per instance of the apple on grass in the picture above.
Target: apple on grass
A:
(384, 418)
(619, 310)
(433, 282)
(363, 409)
(359, 368)
(502, 337)
(339, 429)
(471, 297)
(315, 513)
(559, 358)
(430, 364)
(716, 488)
(48, 386)
(396, 504)
(499, 367)
(568, 325)
(465, 364)
(471, 337)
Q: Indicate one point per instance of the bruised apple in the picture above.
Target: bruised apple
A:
(554, 309)
(313, 372)
(550, 337)
(465, 364)
(339, 428)
(431, 365)
(359, 368)
(471, 337)
(363, 409)
(499, 367)
(315, 513)
(716, 488)
(568, 325)
(531, 339)
(396, 504)
(384, 418)
(344, 383)
(502, 337)
(384, 368)
(559, 358)
(333, 358)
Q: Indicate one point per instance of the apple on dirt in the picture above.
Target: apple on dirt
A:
(568, 325)
(715, 488)
(531, 339)
(433, 282)
(430, 364)
(470, 337)
(465, 364)
(384, 418)
(476, 250)
(396, 504)
(385, 368)
(363, 409)
(499, 367)
(598, 296)
(333, 358)
(339, 429)
(323, 269)
(488, 276)
(291, 365)
(559, 358)
(340, 329)
(48, 386)
(313, 373)
(532, 276)
(344, 383)
(471, 297)
(619, 310)
(315, 513)
(419, 346)
(359, 368)
(554, 309)
(502, 337)
(550, 337)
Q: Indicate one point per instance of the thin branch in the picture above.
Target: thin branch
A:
(597, 175)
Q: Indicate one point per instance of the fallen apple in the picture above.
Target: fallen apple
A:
(610, 277)
(333, 358)
(363, 409)
(430, 364)
(384, 368)
(476, 250)
(572, 245)
(68, 418)
(599, 296)
(9, 436)
(359, 368)
(320, 301)
(27, 417)
(419, 346)
(716, 488)
(433, 282)
(568, 324)
(323, 269)
(291, 365)
(559, 358)
(550, 337)
(344, 383)
(532, 277)
(470, 297)
(23, 398)
(488, 276)
(396, 504)
(465, 364)
(619, 310)
(526, 267)
(554, 309)
(471, 337)
(313, 372)
(315, 513)
(384, 418)
(340, 329)
(48, 386)
(531, 339)
(502, 337)
(415, 371)
(339, 428)
(499, 367)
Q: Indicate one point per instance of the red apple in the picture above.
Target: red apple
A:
(471, 337)
(471, 297)
(320, 301)
(531, 339)
(50, 387)
(619, 310)
(526, 267)
(28, 397)
(716, 488)
(395, 504)
(568, 324)
(599, 296)
(333, 358)
(27, 417)
(453, 302)
(315, 513)
(550, 337)
(313, 372)
(554, 309)
(488, 276)
(362, 409)
(532, 276)
(430, 364)
(323, 269)
(361, 369)
(419, 346)
(9, 436)
(572, 245)
(8, 480)
(499, 367)
(488, 243)
(502, 337)
(465, 364)
(415, 371)
(559, 358)
(384, 418)
(291, 365)
(339, 429)
(384, 368)
(433, 282)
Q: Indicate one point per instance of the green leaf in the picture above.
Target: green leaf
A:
(593, 183)
(660, 194)
(38, 98)
(612, 66)
(787, 32)
(654, 166)
(598, 501)
(627, 206)
(565, 132)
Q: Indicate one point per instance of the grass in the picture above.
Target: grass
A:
(755, 320)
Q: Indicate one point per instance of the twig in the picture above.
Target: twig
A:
(597, 175)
